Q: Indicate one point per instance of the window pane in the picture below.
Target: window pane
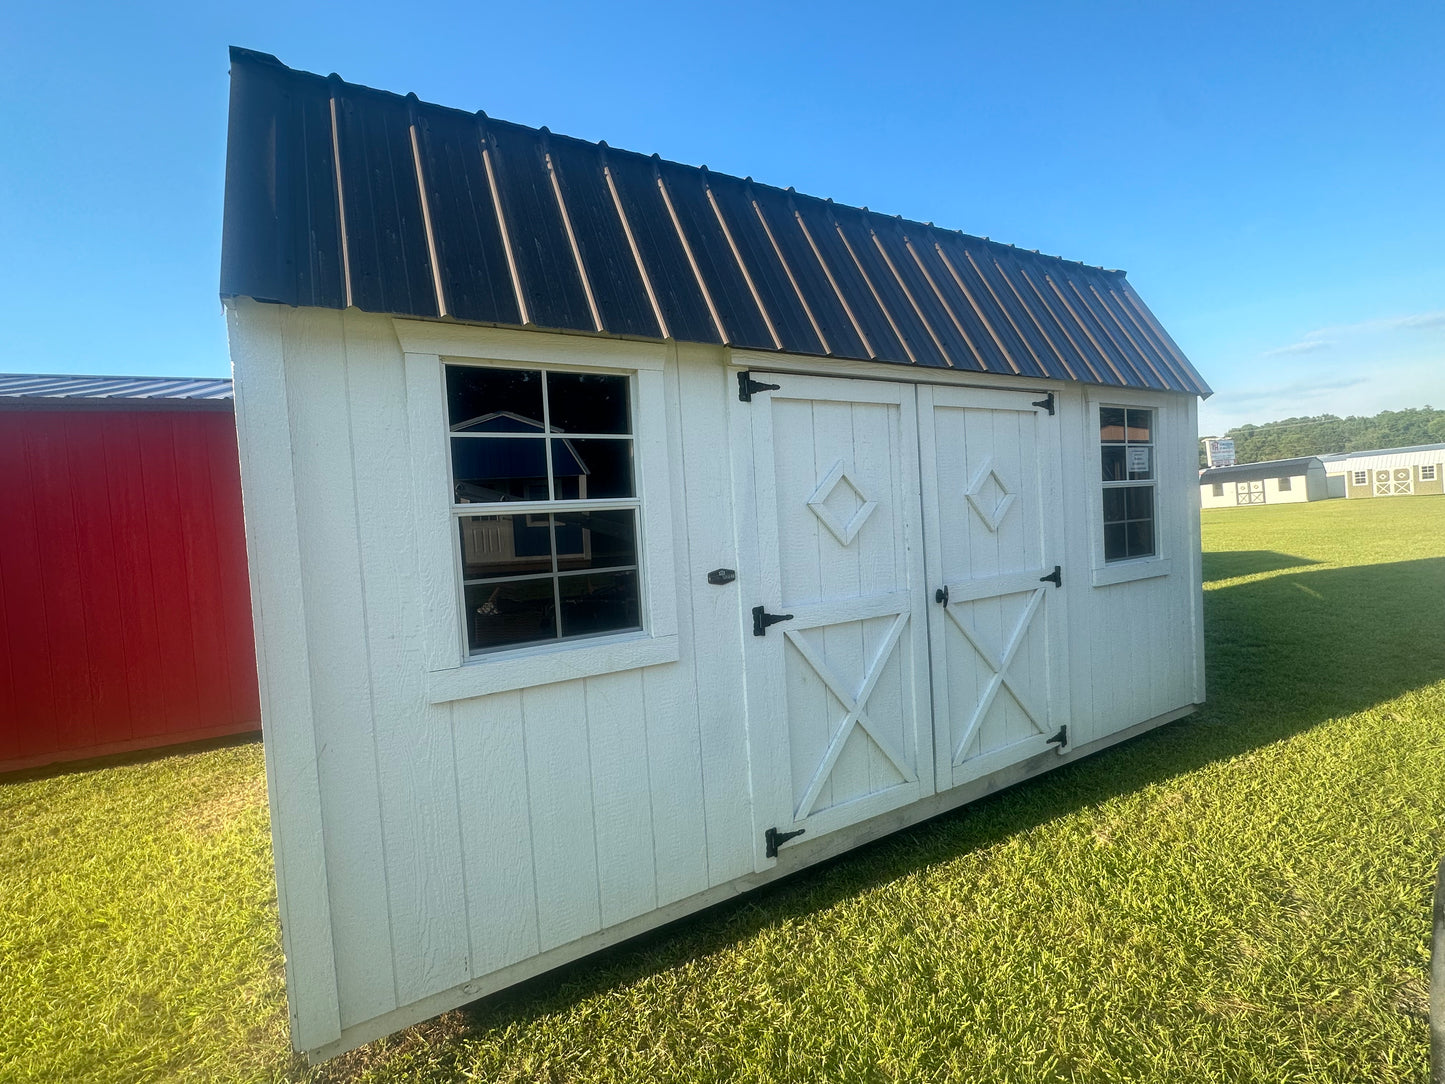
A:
(505, 546)
(596, 539)
(599, 602)
(1113, 459)
(1111, 423)
(1114, 505)
(1140, 540)
(1114, 547)
(1219, 489)
(1141, 426)
(1140, 502)
(498, 469)
(512, 612)
(1140, 462)
(588, 403)
(1284, 485)
(493, 400)
(592, 468)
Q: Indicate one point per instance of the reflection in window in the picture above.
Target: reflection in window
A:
(547, 570)
(1126, 456)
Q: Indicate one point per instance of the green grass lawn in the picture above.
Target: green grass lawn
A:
(1240, 896)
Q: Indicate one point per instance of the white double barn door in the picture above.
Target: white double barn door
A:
(873, 499)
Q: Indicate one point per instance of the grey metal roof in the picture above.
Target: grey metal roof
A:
(1253, 472)
(64, 390)
(1337, 457)
(338, 195)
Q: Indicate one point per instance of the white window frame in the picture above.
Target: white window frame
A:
(452, 672)
(1432, 476)
(1107, 573)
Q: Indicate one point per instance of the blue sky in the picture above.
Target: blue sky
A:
(1272, 176)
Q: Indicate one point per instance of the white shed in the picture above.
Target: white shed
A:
(1275, 481)
(625, 536)
(1388, 472)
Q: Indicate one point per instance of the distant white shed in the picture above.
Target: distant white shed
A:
(1388, 472)
(1278, 481)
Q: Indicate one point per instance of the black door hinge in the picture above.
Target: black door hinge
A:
(773, 839)
(719, 576)
(1046, 403)
(1056, 577)
(1061, 738)
(747, 386)
(941, 595)
(762, 620)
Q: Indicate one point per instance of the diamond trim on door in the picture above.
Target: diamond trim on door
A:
(991, 517)
(854, 708)
(999, 665)
(818, 502)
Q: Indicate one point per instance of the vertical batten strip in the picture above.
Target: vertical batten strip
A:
(687, 251)
(977, 308)
(632, 243)
(743, 267)
(571, 237)
(917, 308)
(792, 278)
(502, 226)
(877, 297)
(340, 194)
(828, 273)
(431, 239)
(943, 303)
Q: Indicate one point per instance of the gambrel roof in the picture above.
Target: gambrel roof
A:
(338, 195)
(1254, 472)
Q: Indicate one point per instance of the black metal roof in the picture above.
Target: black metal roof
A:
(1254, 472)
(63, 391)
(338, 195)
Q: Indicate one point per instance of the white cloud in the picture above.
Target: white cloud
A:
(1305, 346)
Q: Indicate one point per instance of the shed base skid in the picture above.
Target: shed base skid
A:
(794, 858)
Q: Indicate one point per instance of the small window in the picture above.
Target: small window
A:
(1427, 473)
(562, 562)
(1126, 452)
(1219, 489)
(1362, 477)
(1284, 485)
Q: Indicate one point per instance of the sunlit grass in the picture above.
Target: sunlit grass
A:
(1240, 896)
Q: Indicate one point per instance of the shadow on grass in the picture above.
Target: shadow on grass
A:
(1231, 564)
(1285, 654)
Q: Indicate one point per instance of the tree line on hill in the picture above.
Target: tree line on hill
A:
(1327, 434)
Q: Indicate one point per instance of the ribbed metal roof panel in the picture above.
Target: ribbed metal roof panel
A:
(63, 386)
(341, 195)
(1253, 472)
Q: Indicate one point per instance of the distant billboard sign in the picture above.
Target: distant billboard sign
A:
(1220, 451)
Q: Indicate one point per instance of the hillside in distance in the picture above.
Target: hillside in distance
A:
(1327, 434)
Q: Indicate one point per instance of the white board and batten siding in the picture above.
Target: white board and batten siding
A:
(447, 828)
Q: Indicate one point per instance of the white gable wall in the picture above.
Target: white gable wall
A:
(432, 847)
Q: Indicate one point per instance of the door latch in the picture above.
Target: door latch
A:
(941, 595)
(719, 576)
(773, 839)
(762, 620)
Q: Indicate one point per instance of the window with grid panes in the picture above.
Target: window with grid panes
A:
(555, 449)
(1126, 452)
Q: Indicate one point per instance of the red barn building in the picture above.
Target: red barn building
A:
(125, 615)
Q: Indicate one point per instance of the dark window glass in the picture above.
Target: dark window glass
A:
(484, 400)
(1219, 489)
(1284, 485)
(1140, 537)
(505, 546)
(1111, 424)
(604, 539)
(1114, 548)
(510, 612)
(594, 469)
(588, 403)
(1114, 505)
(499, 469)
(1140, 426)
(1139, 502)
(595, 602)
(1113, 459)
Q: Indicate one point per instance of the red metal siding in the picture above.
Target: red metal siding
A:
(125, 616)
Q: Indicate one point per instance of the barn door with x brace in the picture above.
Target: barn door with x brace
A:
(994, 538)
(837, 648)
